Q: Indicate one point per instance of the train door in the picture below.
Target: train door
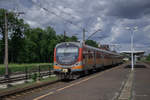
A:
(94, 58)
(102, 58)
(85, 59)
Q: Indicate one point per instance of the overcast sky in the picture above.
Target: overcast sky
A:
(111, 16)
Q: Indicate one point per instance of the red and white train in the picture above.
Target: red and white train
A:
(73, 58)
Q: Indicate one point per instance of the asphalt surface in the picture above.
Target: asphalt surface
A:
(105, 85)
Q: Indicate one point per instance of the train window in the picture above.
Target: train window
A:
(99, 55)
(84, 56)
(89, 55)
(96, 54)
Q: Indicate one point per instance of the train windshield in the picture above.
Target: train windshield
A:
(66, 55)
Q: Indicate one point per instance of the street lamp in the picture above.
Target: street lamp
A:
(132, 48)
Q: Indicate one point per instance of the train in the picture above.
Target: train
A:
(72, 59)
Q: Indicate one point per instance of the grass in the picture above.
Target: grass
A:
(20, 68)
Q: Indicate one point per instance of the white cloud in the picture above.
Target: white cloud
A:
(34, 1)
(32, 23)
(147, 28)
(115, 33)
(99, 24)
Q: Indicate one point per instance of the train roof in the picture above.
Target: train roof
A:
(105, 51)
(90, 47)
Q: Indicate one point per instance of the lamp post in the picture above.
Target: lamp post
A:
(132, 48)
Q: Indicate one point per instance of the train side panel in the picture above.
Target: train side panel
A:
(88, 59)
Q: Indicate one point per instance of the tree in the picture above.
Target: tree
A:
(73, 39)
(15, 33)
(16, 42)
(91, 43)
(51, 41)
(40, 44)
(2, 32)
(34, 38)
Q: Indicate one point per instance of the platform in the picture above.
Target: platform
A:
(117, 83)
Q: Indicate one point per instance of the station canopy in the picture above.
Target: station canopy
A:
(134, 52)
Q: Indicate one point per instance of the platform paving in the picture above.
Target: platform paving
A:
(141, 83)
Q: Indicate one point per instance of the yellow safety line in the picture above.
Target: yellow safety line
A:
(73, 84)
(40, 97)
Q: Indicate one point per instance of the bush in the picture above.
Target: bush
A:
(148, 57)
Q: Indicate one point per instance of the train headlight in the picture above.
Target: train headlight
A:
(65, 70)
(78, 64)
(55, 64)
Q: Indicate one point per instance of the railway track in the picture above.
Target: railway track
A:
(9, 95)
(148, 62)
(27, 88)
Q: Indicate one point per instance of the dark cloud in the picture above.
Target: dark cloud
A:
(131, 9)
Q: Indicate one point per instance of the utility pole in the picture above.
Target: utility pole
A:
(132, 62)
(64, 36)
(83, 36)
(6, 47)
(6, 43)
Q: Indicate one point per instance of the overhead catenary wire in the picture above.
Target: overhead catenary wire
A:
(93, 34)
(67, 21)
(52, 12)
(64, 11)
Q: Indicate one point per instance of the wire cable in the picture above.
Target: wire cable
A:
(52, 12)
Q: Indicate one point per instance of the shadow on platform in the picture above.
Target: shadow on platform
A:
(136, 66)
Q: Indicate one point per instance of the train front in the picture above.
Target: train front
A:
(68, 59)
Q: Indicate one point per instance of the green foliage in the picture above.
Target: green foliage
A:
(91, 43)
(73, 39)
(34, 76)
(148, 58)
